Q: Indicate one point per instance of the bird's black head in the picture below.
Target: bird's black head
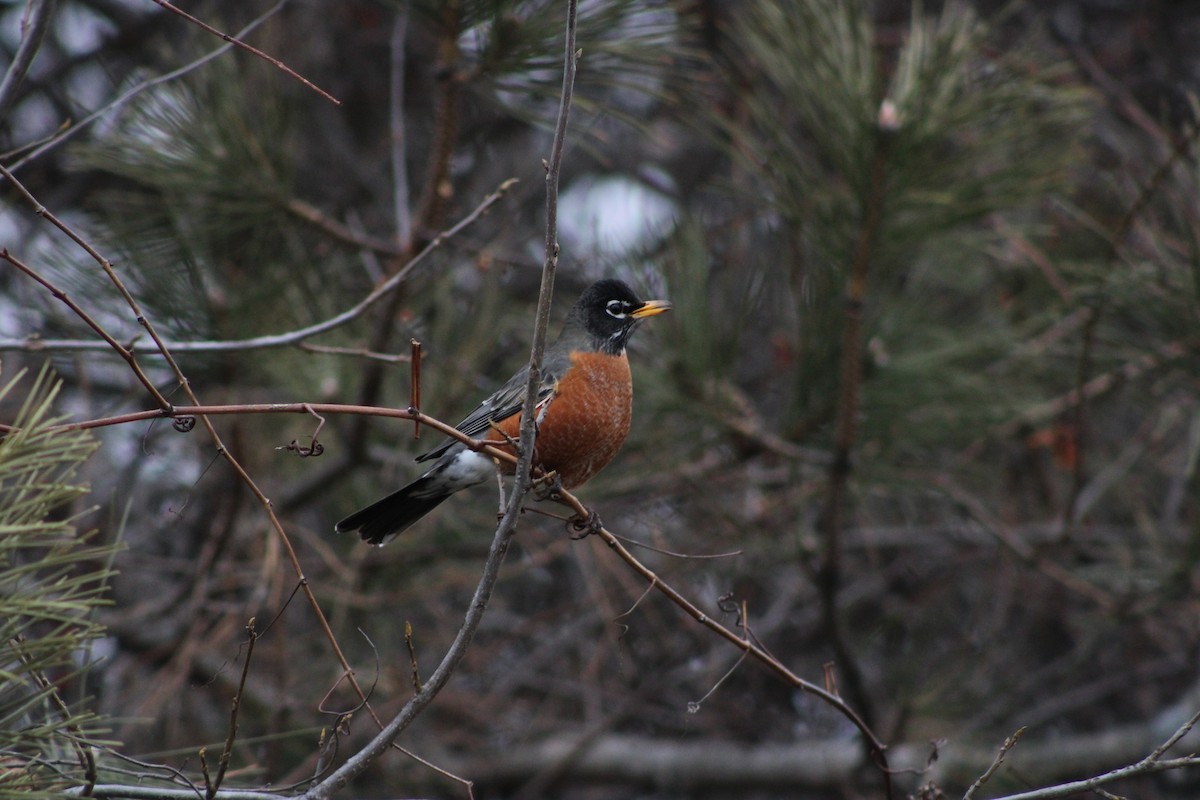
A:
(608, 311)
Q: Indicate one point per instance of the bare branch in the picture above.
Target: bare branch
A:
(1009, 744)
(40, 14)
(249, 49)
(549, 268)
(508, 523)
(875, 746)
(1151, 763)
(279, 339)
(107, 266)
(71, 130)
(121, 350)
(227, 751)
(214, 436)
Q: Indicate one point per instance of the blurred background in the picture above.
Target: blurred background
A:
(930, 381)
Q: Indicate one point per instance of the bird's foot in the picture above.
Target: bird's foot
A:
(582, 527)
(548, 487)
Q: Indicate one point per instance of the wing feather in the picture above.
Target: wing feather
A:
(504, 403)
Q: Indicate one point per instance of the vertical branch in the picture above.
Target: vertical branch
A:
(414, 388)
(504, 531)
(211, 790)
(549, 267)
(849, 401)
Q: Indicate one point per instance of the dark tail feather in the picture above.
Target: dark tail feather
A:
(386, 519)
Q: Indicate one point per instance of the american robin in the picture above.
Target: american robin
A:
(584, 407)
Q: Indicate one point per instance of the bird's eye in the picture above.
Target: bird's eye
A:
(617, 308)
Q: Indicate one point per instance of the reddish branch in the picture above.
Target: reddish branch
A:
(744, 642)
(165, 409)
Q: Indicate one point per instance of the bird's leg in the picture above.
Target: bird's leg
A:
(582, 527)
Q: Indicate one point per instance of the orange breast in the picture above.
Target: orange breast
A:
(586, 422)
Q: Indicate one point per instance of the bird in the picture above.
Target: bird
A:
(584, 408)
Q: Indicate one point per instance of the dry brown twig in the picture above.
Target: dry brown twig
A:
(70, 129)
(165, 409)
(588, 521)
(1009, 744)
(248, 48)
(1154, 762)
(524, 464)
(746, 644)
(294, 337)
(210, 789)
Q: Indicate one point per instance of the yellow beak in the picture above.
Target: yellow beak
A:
(650, 308)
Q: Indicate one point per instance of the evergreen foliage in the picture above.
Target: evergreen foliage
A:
(52, 580)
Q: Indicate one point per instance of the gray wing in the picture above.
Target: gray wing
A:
(506, 401)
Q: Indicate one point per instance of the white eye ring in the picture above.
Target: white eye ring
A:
(616, 308)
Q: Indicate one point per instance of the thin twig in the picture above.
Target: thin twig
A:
(121, 350)
(412, 655)
(227, 751)
(110, 271)
(218, 443)
(68, 132)
(40, 12)
(693, 706)
(291, 337)
(636, 603)
(208, 787)
(507, 526)
(874, 745)
(186, 412)
(1174, 738)
(249, 49)
(83, 750)
(1009, 744)
(676, 554)
(342, 232)
(361, 352)
(414, 389)
(1151, 763)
